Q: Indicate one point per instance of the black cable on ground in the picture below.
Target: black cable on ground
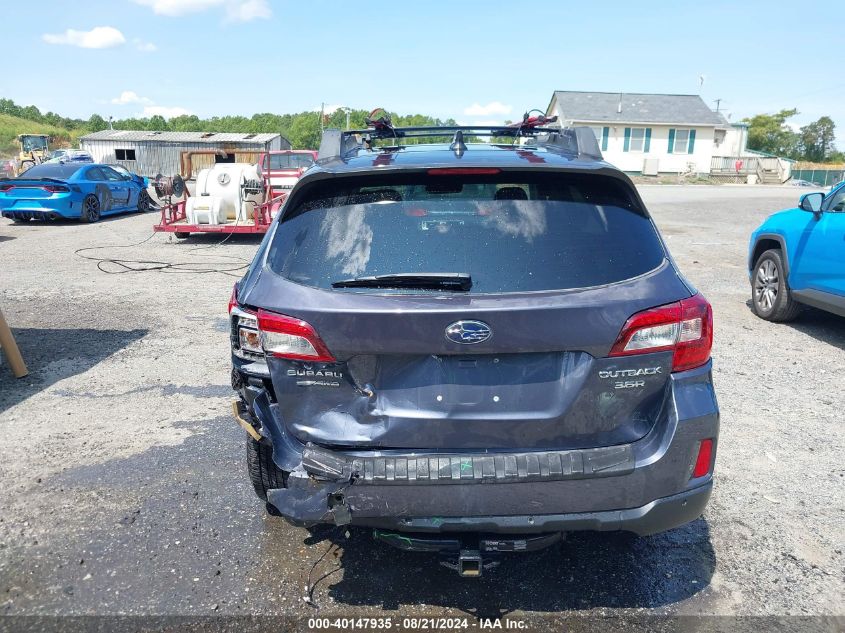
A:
(308, 598)
(150, 265)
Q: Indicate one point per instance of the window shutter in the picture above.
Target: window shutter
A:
(691, 141)
(605, 133)
(671, 140)
(647, 140)
(627, 145)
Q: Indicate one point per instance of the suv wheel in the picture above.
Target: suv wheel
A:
(770, 296)
(262, 471)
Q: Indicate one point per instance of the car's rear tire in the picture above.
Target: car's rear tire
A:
(771, 298)
(263, 473)
(90, 208)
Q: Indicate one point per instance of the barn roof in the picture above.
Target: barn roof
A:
(180, 137)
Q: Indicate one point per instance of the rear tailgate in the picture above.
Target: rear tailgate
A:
(556, 273)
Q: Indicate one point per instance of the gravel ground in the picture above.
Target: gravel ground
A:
(123, 487)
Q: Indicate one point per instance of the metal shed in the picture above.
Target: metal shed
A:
(151, 153)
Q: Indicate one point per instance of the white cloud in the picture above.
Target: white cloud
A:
(129, 96)
(98, 37)
(144, 47)
(492, 108)
(175, 8)
(247, 10)
(236, 10)
(166, 112)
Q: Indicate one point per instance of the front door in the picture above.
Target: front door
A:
(818, 260)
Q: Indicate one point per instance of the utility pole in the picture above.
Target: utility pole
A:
(322, 110)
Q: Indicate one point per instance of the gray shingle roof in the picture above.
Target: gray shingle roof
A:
(179, 137)
(636, 108)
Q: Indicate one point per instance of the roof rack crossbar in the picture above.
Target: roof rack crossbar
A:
(578, 140)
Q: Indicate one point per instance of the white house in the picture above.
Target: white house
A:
(651, 133)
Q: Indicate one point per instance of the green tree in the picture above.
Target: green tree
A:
(97, 123)
(305, 131)
(31, 113)
(158, 123)
(816, 140)
(186, 123)
(769, 133)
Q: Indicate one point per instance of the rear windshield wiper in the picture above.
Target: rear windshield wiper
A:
(428, 281)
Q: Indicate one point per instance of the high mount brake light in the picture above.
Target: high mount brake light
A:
(684, 327)
(294, 339)
(463, 171)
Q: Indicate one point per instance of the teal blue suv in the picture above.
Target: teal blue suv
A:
(797, 258)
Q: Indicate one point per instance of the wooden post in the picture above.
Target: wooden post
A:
(10, 348)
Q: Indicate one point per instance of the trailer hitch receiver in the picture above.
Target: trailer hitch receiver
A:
(469, 563)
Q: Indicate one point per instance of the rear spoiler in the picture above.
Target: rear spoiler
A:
(579, 141)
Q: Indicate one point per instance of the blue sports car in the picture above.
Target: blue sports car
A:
(797, 257)
(81, 191)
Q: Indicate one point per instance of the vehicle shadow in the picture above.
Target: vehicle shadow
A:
(823, 326)
(586, 571)
(54, 354)
(6, 238)
(212, 239)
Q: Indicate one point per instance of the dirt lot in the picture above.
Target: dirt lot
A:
(123, 486)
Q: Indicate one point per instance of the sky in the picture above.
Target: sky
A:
(478, 62)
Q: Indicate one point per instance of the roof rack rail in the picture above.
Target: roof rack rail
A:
(581, 141)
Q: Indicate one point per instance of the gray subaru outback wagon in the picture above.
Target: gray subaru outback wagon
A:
(472, 347)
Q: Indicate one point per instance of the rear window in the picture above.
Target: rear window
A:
(289, 161)
(50, 170)
(543, 232)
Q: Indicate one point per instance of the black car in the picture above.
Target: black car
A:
(472, 347)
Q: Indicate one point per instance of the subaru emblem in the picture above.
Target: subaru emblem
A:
(468, 332)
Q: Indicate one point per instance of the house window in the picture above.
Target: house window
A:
(637, 139)
(681, 142)
(124, 154)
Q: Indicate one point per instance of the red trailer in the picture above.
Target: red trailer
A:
(231, 197)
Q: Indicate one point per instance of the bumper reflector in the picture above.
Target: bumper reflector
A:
(702, 462)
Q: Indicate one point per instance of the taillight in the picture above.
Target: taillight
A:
(685, 327)
(233, 299)
(705, 456)
(6, 187)
(287, 337)
(56, 188)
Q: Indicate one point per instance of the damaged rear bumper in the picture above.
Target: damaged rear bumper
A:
(307, 507)
(644, 487)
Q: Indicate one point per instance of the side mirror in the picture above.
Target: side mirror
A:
(812, 202)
